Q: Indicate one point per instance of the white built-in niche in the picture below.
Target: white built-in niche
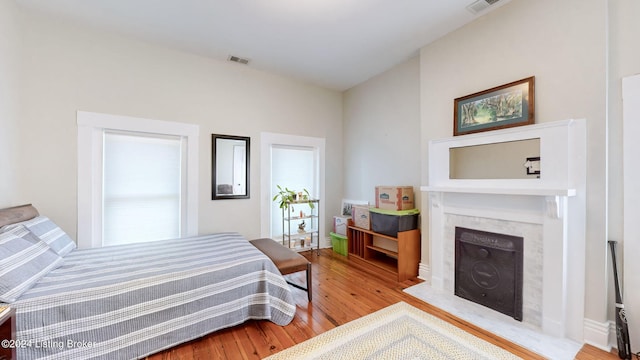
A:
(561, 165)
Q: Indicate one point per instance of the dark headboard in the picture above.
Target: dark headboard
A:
(16, 214)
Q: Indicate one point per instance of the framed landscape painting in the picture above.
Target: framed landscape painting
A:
(347, 205)
(496, 108)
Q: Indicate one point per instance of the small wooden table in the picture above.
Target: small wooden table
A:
(7, 332)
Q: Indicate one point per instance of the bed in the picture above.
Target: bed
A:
(130, 301)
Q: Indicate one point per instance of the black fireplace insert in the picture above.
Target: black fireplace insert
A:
(488, 270)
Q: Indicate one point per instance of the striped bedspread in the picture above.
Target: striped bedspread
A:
(126, 302)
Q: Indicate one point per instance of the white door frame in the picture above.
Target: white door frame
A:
(266, 141)
(631, 173)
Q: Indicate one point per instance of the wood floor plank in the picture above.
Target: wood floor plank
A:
(246, 350)
(229, 345)
(342, 292)
(276, 335)
(299, 331)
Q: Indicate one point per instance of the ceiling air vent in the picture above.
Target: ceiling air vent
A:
(238, 59)
(480, 5)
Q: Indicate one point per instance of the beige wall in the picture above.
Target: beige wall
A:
(9, 102)
(381, 137)
(624, 60)
(70, 68)
(564, 45)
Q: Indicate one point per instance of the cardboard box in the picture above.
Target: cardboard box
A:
(340, 225)
(360, 216)
(395, 197)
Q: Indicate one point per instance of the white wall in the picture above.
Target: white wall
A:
(624, 61)
(9, 102)
(70, 68)
(564, 45)
(381, 132)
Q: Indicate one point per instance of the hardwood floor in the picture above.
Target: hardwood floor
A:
(341, 292)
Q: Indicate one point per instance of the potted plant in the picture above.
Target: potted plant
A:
(306, 195)
(286, 196)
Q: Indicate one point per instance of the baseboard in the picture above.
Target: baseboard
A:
(327, 243)
(599, 334)
(613, 336)
(424, 272)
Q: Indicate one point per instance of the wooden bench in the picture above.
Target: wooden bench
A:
(286, 260)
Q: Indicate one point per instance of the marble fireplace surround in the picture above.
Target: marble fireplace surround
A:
(548, 212)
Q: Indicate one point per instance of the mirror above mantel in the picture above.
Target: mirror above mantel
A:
(501, 160)
(230, 167)
(562, 161)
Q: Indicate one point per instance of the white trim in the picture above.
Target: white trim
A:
(90, 129)
(327, 243)
(424, 272)
(501, 191)
(599, 334)
(629, 245)
(266, 141)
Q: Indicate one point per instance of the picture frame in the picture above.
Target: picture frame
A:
(533, 165)
(230, 164)
(503, 106)
(347, 205)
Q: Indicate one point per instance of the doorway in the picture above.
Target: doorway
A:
(295, 162)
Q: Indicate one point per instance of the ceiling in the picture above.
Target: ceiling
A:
(331, 43)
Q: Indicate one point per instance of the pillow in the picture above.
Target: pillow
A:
(51, 234)
(24, 259)
(16, 214)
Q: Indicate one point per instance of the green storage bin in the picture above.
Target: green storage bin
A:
(339, 243)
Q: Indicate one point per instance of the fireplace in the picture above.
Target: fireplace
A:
(549, 213)
(488, 270)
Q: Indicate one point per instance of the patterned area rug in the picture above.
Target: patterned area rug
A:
(399, 331)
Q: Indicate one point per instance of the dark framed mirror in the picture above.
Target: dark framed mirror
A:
(230, 167)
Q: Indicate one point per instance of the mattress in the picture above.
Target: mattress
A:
(130, 301)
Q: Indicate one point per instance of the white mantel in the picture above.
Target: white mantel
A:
(553, 205)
